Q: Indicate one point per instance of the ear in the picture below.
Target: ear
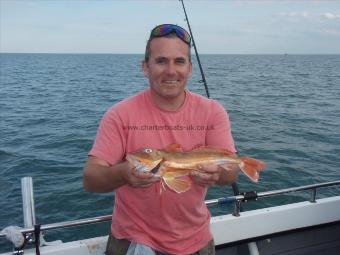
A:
(145, 68)
(190, 70)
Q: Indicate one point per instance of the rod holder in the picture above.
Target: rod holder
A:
(237, 208)
(313, 196)
(28, 201)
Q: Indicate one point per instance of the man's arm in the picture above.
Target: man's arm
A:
(100, 177)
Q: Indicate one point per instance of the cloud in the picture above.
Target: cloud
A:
(331, 16)
(303, 14)
(312, 17)
(332, 32)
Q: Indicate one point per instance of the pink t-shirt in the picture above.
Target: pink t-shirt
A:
(170, 222)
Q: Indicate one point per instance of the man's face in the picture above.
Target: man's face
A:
(168, 68)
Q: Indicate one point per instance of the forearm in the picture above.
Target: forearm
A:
(103, 178)
(99, 176)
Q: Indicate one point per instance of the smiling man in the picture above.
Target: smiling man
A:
(166, 113)
(168, 70)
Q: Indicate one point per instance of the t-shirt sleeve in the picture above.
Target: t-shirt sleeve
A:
(109, 144)
(219, 129)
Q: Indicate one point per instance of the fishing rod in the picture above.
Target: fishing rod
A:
(196, 52)
(234, 185)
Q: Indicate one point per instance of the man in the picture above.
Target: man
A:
(164, 114)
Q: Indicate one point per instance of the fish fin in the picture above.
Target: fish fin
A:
(171, 172)
(162, 187)
(213, 150)
(177, 185)
(174, 147)
(251, 167)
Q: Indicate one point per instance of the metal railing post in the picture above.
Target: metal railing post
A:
(28, 201)
(313, 196)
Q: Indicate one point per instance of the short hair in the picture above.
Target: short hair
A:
(148, 48)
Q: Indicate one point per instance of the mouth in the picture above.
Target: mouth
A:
(170, 82)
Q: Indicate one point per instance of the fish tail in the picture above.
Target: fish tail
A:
(251, 167)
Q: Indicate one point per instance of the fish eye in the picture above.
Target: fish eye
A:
(148, 150)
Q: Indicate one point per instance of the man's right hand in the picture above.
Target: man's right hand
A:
(99, 176)
(138, 179)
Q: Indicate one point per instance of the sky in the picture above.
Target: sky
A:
(219, 27)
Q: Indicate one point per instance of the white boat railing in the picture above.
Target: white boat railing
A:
(253, 195)
(28, 204)
(32, 232)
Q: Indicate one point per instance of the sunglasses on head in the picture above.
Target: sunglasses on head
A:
(165, 29)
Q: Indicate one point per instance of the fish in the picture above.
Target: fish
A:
(172, 163)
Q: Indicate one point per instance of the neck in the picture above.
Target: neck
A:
(169, 103)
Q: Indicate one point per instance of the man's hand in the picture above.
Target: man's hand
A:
(207, 175)
(211, 174)
(138, 179)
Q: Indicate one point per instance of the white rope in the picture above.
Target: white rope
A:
(14, 235)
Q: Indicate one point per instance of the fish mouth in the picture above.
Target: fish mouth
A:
(156, 168)
(142, 167)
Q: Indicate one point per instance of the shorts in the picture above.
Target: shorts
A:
(120, 246)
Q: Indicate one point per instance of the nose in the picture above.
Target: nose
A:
(171, 68)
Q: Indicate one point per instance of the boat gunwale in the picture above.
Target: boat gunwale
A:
(273, 235)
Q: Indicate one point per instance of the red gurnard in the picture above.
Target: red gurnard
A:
(171, 164)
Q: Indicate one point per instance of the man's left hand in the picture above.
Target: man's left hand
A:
(211, 174)
(207, 175)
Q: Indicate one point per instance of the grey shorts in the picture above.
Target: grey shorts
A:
(120, 246)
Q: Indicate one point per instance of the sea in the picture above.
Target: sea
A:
(284, 109)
